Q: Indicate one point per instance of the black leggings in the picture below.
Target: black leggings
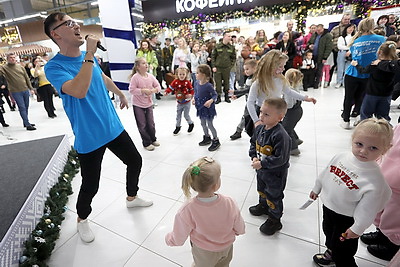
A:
(334, 224)
(125, 150)
(354, 91)
(46, 93)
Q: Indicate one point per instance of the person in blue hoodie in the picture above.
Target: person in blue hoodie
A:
(363, 48)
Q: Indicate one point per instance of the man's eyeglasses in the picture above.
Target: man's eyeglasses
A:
(68, 23)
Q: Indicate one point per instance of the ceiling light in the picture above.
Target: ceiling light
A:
(27, 17)
(137, 15)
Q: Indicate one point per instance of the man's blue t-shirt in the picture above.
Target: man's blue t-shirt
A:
(364, 50)
(93, 118)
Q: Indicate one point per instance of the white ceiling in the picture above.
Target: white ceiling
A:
(79, 9)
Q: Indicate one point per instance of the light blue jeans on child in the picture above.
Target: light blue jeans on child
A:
(185, 109)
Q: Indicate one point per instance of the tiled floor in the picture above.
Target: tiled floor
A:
(135, 237)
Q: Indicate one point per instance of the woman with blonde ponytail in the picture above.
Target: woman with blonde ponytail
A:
(269, 82)
(363, 48)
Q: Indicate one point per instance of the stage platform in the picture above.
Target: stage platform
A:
(27, 172)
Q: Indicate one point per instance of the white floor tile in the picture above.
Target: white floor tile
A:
(144, 257)
(108, 249)
(134, 224)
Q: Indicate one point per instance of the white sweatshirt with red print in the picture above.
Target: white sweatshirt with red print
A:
(353, 188)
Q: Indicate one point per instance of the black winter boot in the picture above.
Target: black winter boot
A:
(384, 252)
(177, 129)
(215, 145)
(218, 99)
(271, 226)
(236, 135)
(191, 126)
(258, 210)
(206, 141)
(372, 238)
(227, 98)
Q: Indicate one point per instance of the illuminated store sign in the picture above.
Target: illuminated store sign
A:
(159, 10)
(191, 5)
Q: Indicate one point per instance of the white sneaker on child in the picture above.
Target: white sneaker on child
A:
(357, 121)
(345, 125)
(138, 202)
(156, 143)
(149, 148)
(85, 232)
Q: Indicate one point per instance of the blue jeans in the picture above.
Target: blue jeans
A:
(375, 105)
(185, 109)
(22, 99)
(270, 187)
(232, 80)
(342, 65)
(193, 77)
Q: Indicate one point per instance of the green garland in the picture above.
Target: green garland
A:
(42, 240)
(299, 9)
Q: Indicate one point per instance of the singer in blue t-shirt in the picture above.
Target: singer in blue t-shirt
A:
(83, 88)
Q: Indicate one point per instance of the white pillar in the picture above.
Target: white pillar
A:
(119, 38)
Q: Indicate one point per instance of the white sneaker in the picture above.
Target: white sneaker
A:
(357, 121)
(138, 202)
(345, 125)
(85, 232)
(338, 85)
(149, 147)
(156, 143)
(295, 152)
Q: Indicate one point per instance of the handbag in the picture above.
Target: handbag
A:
(348, 58)
(35, 82)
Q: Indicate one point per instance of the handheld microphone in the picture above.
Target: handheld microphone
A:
(99, 46)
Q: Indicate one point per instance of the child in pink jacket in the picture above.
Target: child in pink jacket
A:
(142, 86)
(212, 220)
(384, 243)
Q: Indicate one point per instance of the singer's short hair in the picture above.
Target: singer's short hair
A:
(50, 21)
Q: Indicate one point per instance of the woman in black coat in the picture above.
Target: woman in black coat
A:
(287, 46)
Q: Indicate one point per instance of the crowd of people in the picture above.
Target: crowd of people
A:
(270, 73)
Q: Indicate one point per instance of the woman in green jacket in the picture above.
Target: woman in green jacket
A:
(149, 54)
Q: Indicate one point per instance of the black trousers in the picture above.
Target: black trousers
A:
(46, 93)
(289, 122)
(335, 54)
(334, 225)
(124, 148)
(318, 73)
(309, 78)
(2, 121)
(354, 91)
(159, 76)
(6, 94)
